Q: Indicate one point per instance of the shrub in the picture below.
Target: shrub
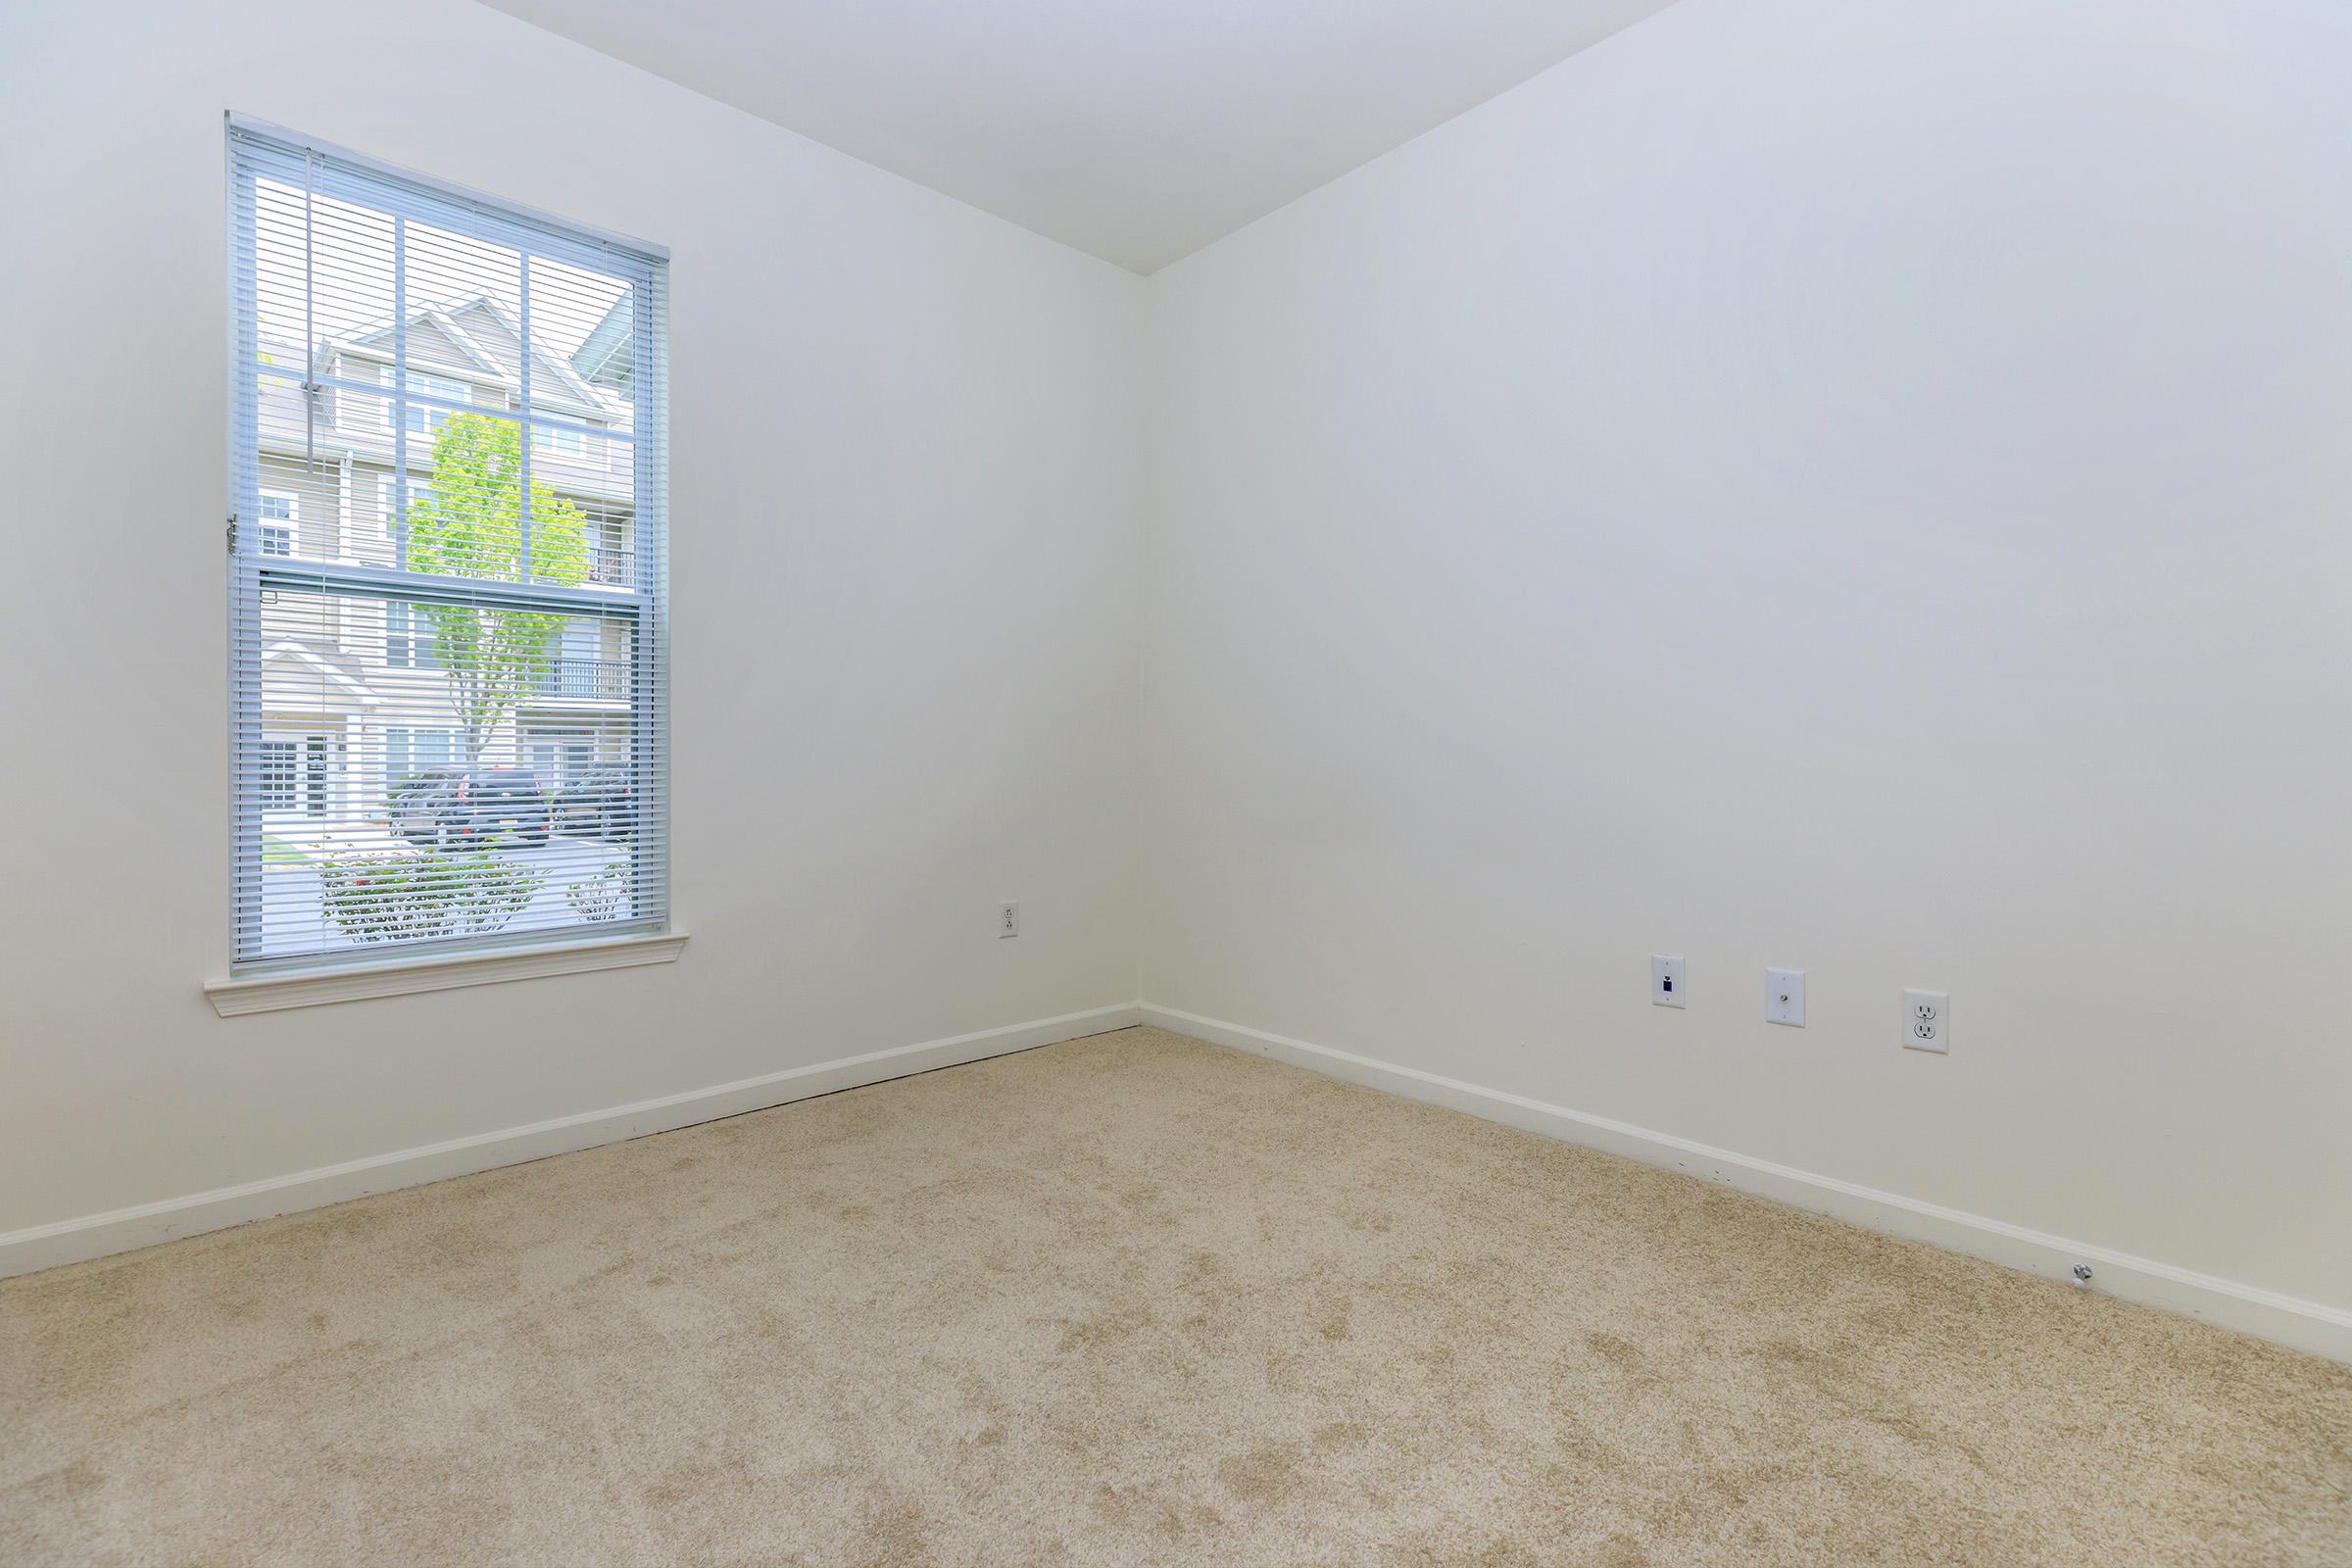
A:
(385, 895)
(403, 896)
(599, 897)
(496, 891)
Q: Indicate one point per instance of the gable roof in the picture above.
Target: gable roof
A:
(480, 330)
(378, 335)
(607, 355)
(358, 689)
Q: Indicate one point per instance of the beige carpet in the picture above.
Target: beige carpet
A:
(1132, 1300)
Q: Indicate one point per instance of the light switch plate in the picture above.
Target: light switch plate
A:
(1665, 980)
(1784, 997)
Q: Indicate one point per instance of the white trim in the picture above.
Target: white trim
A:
(2310, 1326)
(120, 1229)
(465, 340)
(360, 693)
(399, 977)
(361, 340)
(524, 351)
(366, 342)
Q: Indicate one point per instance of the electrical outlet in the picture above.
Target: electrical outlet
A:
(1009, 917)
(1784, 997)
(1665, 980)
(1928, 1021)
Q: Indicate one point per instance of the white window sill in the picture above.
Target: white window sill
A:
(393, 977)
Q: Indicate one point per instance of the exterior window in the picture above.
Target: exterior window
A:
(424, 418)
(387, 503)
(277, 522)
(410, 750)
(449, 732)
(563, 756)
(278, 767)
(294, 776)
(408, 638)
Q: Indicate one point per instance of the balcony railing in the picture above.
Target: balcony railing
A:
(586, 679)
(612, 568)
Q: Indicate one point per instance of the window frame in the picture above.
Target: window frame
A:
(255, 570)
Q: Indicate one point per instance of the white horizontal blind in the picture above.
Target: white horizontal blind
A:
(449, 575)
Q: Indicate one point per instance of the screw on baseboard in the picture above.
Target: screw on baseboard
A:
(2081, 1273)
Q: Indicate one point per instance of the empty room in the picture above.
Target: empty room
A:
(984, 783)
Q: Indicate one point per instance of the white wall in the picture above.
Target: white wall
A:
(1849, 485)
(908, 487)
(1852, 486)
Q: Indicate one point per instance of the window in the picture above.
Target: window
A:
(425, 418)
(278, 768)
(563, 756)
(407, 639)
(410, 750)
(449, 733)
(293, 773)
(277, 513)
(419, 496)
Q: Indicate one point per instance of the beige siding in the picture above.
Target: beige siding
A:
(356, 411)
(430, 349)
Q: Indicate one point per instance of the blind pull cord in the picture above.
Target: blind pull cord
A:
(310, 332)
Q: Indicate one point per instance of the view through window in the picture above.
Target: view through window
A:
(447, 594)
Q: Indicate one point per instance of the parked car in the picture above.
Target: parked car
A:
(403, 801)
(599, 804)
(448, 808)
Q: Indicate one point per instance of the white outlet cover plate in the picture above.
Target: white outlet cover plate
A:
(1665, 980)
(1009, 917)
(1784, 997)
(1928, 1021)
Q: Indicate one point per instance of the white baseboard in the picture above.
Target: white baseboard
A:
(120, 1229)
(2302, 1325)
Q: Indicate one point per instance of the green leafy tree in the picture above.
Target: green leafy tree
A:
(471, 526)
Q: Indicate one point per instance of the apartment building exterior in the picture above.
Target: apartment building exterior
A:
(352, 695)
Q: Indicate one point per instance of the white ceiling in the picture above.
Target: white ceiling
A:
(1137, 130)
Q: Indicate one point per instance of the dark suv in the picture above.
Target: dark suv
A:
(446, 808)
(597, 805)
